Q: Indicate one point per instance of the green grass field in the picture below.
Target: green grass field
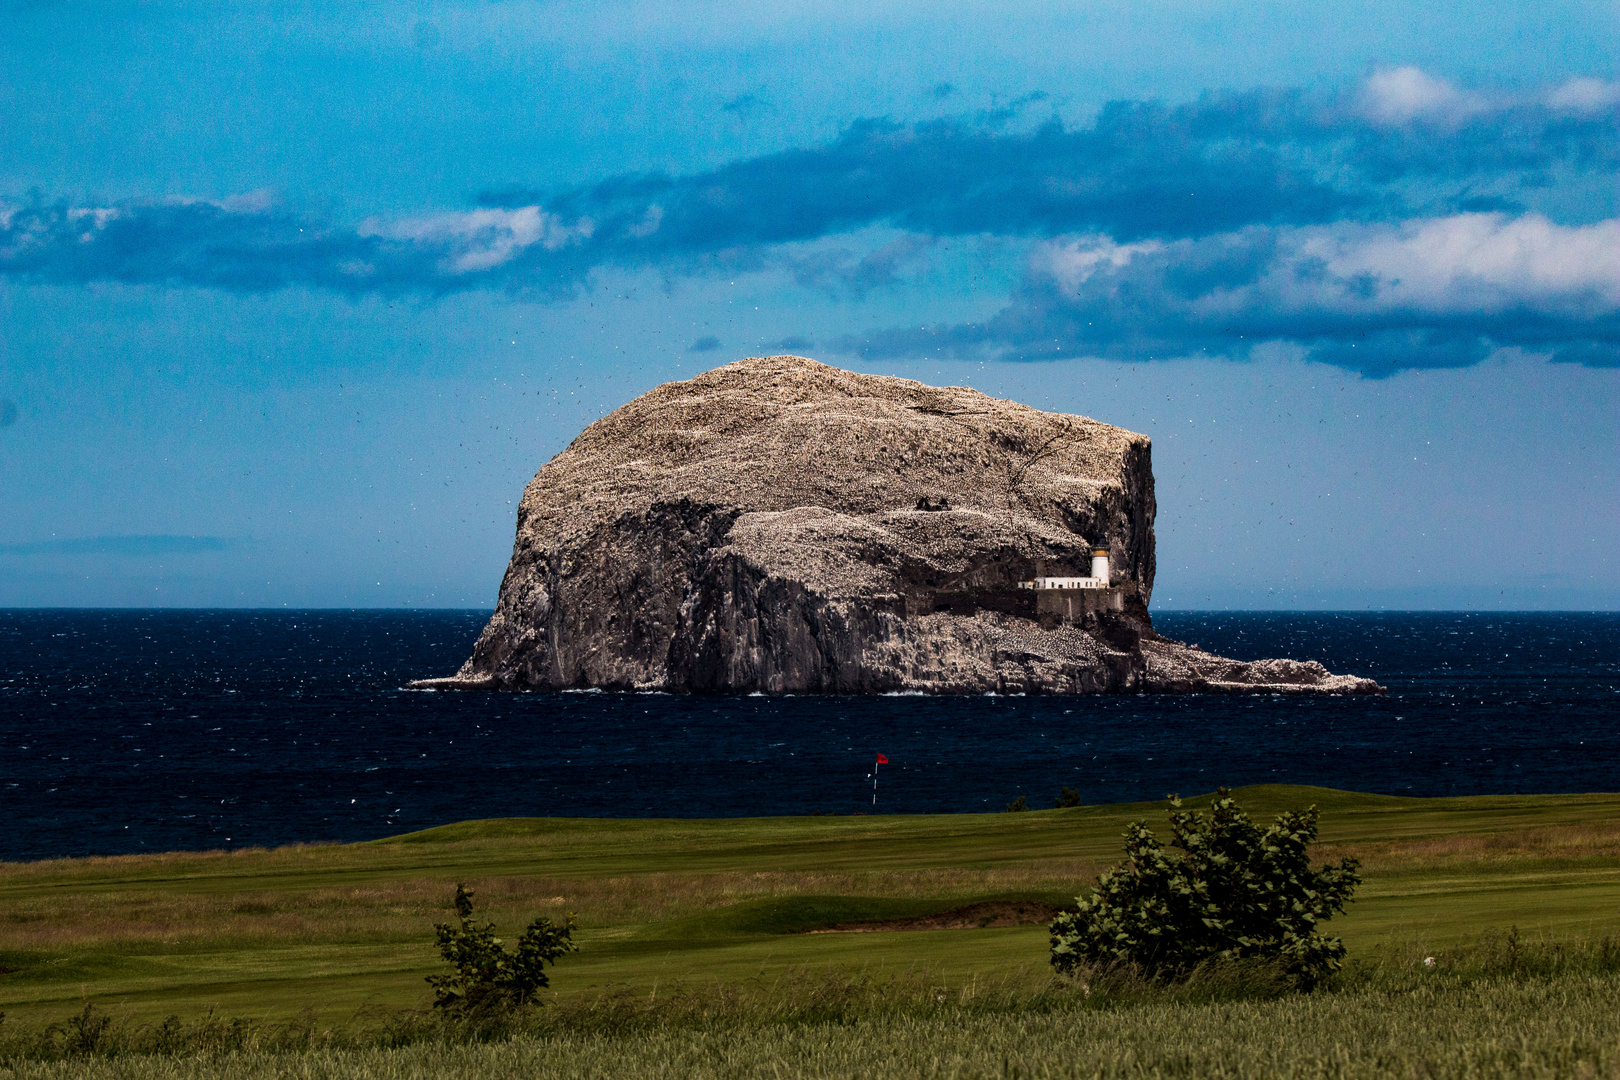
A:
(268, 933)
(1526, 1030)
(338, 933)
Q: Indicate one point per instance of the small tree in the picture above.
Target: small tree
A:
(1018, 805)
(486, 976)
(1067, 798)
(1236, 892)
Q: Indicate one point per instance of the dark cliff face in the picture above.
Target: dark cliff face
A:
(778, 525)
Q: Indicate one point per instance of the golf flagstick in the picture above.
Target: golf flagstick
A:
(881, 760)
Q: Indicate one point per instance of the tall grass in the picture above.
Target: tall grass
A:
(1502, 1006)
(1500, 1027)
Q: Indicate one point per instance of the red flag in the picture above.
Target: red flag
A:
(882, 759)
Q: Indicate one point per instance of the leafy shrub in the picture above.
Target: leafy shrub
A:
(1018, 805)
(1236, 892)
(487, 977)
(1068, 797)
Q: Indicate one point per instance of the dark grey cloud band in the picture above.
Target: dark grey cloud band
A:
(1218, 206)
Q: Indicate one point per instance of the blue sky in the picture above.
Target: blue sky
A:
(293, 300)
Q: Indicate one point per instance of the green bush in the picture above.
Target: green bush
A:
(487, 977)
(1067, 798)
(1018, 805)
(87, 1032)
(1236, 893)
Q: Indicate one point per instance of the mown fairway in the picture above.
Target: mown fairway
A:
(268, 934)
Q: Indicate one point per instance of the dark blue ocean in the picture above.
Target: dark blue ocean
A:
(124, 731)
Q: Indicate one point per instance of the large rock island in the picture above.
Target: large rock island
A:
(781, 526)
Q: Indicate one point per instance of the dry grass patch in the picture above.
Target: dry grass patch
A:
(67, 918)
(1563, 843)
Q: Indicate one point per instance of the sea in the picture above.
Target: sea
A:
(134, 731)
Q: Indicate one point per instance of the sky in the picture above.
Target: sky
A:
(294, 299)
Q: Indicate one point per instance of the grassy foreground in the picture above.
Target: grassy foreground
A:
(1530, 1029)
(680, 914)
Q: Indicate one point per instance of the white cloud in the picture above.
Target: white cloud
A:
(1584, 96)
(1404, 94)
(251, 202)
(483, 239)
(1071, 263)
(650, 221)
(1465, 263)
(94, 219)
(258, 201)
(100, 215)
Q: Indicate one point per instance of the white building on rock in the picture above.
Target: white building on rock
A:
(1097, 580)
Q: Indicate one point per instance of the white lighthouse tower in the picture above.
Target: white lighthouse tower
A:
(1073, 599)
